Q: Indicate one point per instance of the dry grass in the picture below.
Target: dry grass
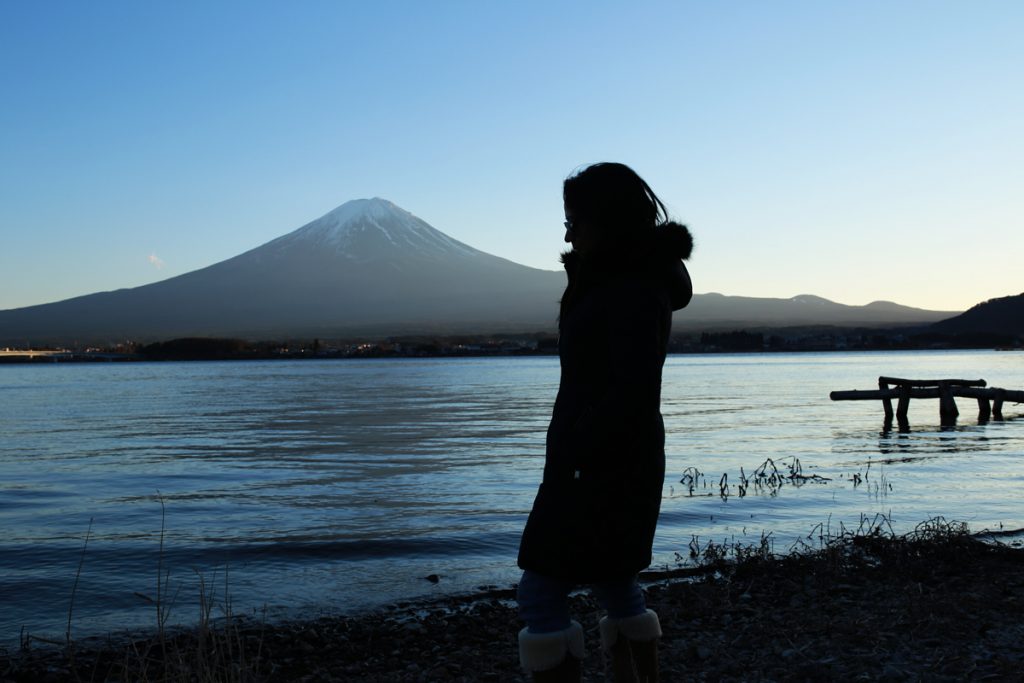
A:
(221, 647)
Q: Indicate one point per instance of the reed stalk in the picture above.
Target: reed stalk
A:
(74, 589)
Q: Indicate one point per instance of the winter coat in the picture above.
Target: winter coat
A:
(595, 513)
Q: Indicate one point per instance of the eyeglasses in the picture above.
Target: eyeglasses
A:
(568, 224)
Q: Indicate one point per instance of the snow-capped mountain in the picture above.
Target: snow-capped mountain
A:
(367, 267)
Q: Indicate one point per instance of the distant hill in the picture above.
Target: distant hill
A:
(1002, 316)
(369, 268)
(720, 312)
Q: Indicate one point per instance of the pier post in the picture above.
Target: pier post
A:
(903, 406)
(947, 405)
(886, 402)
(997, 404)
(983, 410)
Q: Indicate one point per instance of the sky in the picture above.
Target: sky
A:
(858, 151)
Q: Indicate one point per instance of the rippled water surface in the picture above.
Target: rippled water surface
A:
(339, 485)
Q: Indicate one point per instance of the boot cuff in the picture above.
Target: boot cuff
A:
(642, 628)
(543, 651)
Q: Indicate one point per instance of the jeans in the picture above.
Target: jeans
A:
(544, 601)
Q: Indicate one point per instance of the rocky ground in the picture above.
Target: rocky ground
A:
(936, 605)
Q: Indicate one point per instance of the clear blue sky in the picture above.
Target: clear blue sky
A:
(854, 150)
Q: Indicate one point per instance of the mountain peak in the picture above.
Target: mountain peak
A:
(377, 207)
(811, 299)
(374, 230)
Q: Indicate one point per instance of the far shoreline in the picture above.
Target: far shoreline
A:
(211, 349)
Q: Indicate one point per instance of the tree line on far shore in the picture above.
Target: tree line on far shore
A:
(804, 339)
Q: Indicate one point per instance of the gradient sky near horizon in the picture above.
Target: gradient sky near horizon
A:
(856, 151)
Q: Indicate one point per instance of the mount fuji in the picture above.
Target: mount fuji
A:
(366, 268)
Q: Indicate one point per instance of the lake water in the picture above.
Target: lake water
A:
(337, 486)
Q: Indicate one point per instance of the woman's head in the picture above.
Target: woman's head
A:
(608, 206)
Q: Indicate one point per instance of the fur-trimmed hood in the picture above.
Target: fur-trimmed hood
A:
(662, 259)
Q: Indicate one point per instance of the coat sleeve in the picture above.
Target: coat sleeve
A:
(628, 408)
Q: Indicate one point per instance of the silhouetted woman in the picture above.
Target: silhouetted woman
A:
(594, 516)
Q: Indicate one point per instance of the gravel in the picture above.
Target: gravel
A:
(941, 607)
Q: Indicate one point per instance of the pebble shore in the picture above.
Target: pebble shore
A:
(934, 607)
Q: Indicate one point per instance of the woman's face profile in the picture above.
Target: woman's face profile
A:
(576, 233)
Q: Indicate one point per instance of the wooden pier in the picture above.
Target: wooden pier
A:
(990, 399)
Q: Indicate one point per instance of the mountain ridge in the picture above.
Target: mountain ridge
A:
(369, 267)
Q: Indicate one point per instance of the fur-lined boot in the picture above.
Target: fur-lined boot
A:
(633, 646)
(552, 657)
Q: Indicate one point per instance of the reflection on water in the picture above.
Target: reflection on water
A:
(339, 485)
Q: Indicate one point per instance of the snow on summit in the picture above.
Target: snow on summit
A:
(366, 229)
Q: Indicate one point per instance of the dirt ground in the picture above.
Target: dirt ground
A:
(932, 606)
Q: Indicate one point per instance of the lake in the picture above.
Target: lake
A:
(308, 487)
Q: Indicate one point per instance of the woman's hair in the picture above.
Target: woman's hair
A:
(615, 202)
